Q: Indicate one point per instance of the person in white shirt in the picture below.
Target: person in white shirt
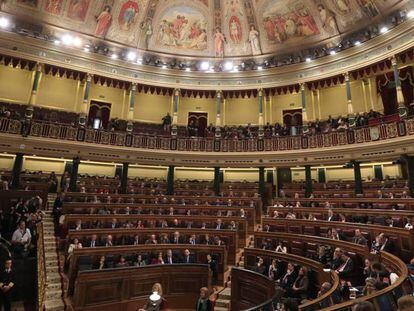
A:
(21, 238)
(281, 248)
(408, 225)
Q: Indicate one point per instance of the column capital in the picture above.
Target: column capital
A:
(346, 75)
(394, 60)
(219, 94)
(302, 86)
(177, 92)
(89, 77)
(260, 91)
(39, 66)
(134, 86)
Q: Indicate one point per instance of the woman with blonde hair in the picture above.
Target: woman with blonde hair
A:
(155, 301)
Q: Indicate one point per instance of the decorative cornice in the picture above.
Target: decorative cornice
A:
(382, 47)
(389, 149)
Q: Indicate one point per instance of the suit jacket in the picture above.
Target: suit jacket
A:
(359, 240)
(347, 269)
(173, 241)
(167, 261)
(288, 280)
(7, 277)
(88, 243)
(189, 259)
(259, 269)
(207, 303)
(213, 268)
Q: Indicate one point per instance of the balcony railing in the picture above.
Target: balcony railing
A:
(373, 133)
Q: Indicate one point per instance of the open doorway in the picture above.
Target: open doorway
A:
(293, 120)
(99, 113)
(197, 123)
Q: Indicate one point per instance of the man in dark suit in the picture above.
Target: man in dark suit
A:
(346, 267)
(359, 238)
(176, 239)
(169, 258)
(260, 267)
(213, 268)
(93, 241)
(287, 281)
(6, 285)
(187, 258)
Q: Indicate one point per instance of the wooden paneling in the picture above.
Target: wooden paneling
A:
(403, 239)
(129, 288)
(249, 289)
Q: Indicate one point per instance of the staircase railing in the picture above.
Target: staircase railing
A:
(41, 269)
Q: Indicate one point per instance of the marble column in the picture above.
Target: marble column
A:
(176, 101)
(132, 95)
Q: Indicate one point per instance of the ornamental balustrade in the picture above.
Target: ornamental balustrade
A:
(359, 135)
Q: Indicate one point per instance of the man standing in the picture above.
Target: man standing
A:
(21, 238)
(6, 285)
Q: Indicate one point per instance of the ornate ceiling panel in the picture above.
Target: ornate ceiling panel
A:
(208, 28)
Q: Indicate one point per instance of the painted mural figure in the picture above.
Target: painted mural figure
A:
(31, 3)
(296, 22)
(183, 31)
(78, 9)
(342, 5)
(128, 15)
(219, 41)
(369, 7)
(54, 6)
(328, 19)
(104, 22)
(254, 41)
(146, 28)
(234, 15)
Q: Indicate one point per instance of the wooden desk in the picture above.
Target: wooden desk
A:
(322, 212)
(199, 252)
(251, 255)
(127, 289)
(144, 209)
(403, 204)
(229, 237)
(403, 239)
(87, 221)
(250, 290)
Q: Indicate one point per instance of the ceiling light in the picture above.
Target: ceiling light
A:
(235, 69)
(211, 69)
(259, 68)
(114, 56)
(164, 66)
(357, 43)
(383, 29)
(410, 14)
(204, 65)
(332, 52)
(86, 49)
(57, 42)
(67, 39)
(4, 22)
(188, 69)
(228, 65)
(139, 61)
(77, 42)
(131, 56)
(308, 59)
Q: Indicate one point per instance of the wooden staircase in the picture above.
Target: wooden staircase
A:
(54, 294)
(223, 300)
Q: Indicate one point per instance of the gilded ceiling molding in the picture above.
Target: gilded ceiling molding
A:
(380, 48)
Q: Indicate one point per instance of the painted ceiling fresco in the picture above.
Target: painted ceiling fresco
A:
(215, 28)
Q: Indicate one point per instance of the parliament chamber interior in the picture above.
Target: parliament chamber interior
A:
(206, 155)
